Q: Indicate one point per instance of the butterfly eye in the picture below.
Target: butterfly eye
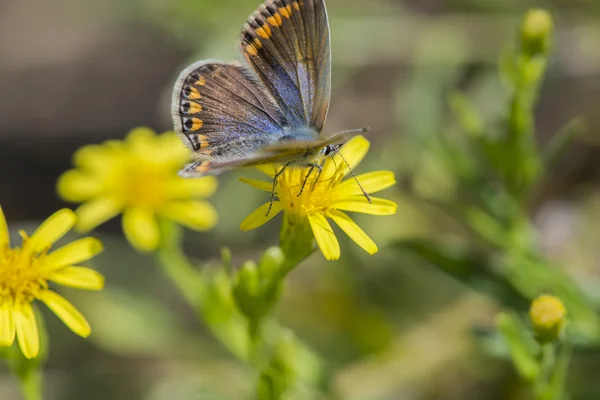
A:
(327, 150)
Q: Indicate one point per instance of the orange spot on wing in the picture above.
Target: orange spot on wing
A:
(264, 32)
(285, 11)
(203, 141)
(196, 124)
(250, 49)
(194, 108)
(296, 6)
(205, 166)
(191, 92)
(257, 43)
(275, 20)
(261, 32)
(200, 82)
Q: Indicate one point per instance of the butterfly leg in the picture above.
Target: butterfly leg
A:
(275, 186)
(312, 168)
(320, 168)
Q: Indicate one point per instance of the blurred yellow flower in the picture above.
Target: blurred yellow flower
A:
(137, 176)
(327, 198)
(26, 270)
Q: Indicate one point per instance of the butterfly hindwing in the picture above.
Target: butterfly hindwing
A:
(223, 112)
(286, 42)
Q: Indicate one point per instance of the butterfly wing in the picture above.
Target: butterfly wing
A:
(286, 42)
(223, 112)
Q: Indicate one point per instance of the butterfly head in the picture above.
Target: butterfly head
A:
(330, 149)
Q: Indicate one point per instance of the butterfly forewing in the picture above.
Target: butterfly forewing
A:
(223, 112)
(286, 42)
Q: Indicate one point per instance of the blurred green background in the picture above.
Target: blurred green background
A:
(415, 321)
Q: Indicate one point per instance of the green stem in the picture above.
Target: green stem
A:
(176, 265)
(31, 385)
(551, 382)
(296, 241)
(200, 293)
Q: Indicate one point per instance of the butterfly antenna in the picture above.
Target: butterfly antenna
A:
(355, 178)
(356, 130)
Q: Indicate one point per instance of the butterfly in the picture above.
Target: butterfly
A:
(272, 108)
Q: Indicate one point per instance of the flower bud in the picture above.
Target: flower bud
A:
(248, 280)
(535, 32)
(270, 262)
(548, 316)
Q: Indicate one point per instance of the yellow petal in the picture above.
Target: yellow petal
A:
(97, 159)
(7, 326)
(51, 230)
(4, 235)
(360, 204)
(353, 230)
(77, 186)
(180, 188)
(141, 138)
(324, 236)
(170, 139)
(194, 214)
(96, 212)
(78, 277)
(27, 331)
(141, 229)
(169, 150)
(371, 182)
(353, 152)
(68, 314)
(259, 216)
(74, 252)
(262, 185)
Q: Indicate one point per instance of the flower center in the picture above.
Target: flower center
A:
(316, 196)
(142, 184)
(21, 278)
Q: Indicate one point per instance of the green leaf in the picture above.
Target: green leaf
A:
(467, 265)
(563, 139)
(523, 348)
(466, 114)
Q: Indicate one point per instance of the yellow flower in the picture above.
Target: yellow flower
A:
(25, 272)
(137, 176)
(327, 198)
